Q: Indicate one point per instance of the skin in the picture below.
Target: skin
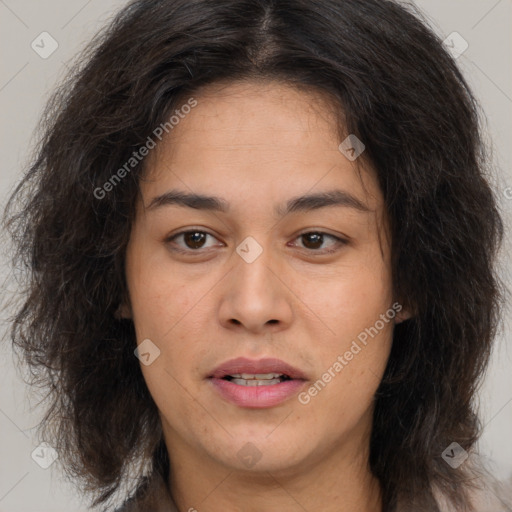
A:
(257, 145)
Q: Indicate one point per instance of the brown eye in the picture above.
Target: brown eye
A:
(195, 241)
(192, 240)
(314, 240)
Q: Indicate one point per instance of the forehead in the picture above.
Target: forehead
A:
(258, 140)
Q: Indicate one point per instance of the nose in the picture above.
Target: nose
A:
(255, 296)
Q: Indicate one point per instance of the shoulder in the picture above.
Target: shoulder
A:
(484, 494)
(493, 496)
(487, 495)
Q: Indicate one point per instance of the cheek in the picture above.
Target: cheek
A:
(173, 397)
(367, 296)
(160, 294)
(351, 298)
(352, 305)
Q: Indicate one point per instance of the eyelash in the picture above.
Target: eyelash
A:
(339, 241)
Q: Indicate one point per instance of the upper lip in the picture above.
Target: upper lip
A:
(256, 366)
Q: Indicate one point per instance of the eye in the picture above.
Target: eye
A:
(193, 239)
(313, 240)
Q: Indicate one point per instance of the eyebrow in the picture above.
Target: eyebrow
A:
(297, 204)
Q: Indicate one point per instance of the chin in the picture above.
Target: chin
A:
(260, 453)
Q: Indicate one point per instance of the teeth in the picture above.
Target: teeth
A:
(255, 382)
(256, 376)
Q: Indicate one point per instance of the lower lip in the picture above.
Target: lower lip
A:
(257, 397)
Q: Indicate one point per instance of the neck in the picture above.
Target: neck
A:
(338, 481)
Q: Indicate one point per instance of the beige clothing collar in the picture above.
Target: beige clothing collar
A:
(158, 499)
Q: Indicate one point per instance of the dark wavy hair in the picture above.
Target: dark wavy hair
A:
(394, 86)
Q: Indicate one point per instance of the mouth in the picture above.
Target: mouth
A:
(261, 370)
(257, 383)
(258, 379)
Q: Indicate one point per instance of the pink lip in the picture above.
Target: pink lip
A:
(257, 396)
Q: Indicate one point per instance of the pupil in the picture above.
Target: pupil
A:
(193, 239)
(317, 240)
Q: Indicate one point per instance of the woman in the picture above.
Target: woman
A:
(261, 257)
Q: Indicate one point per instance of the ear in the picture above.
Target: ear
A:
(402, 315)
(124, 310)
(403, 312)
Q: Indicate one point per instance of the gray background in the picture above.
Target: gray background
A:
(26, 80)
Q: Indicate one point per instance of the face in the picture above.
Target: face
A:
(260, 274)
